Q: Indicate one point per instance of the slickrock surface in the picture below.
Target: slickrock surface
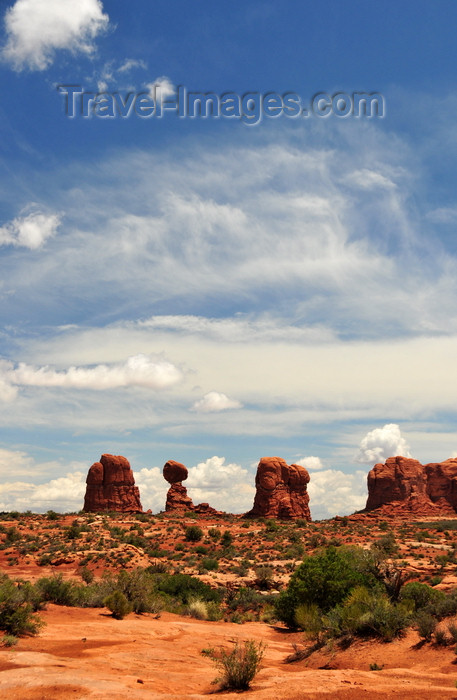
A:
(111, 486)
(86, 655)
(404, 485)
(281, 490)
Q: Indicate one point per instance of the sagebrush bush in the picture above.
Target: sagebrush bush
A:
(17, 617)
(118, 604)
(240, 665)
(426, 625)
(193, 533)
(197, 608)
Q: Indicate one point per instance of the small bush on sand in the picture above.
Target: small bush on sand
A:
(197, 608)
(426, 625)
(118, 604)
(240, 665)
(16, 615)
(193, 533)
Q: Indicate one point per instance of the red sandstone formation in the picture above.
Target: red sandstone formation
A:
(177, 499)
(175, 472)
(280, 490)
(111, 486)
(402, 486)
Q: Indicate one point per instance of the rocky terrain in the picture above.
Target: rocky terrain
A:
(404, 485)
(85, 653)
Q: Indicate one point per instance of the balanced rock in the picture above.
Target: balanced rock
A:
(281, 490)
(177, 499)
(403, 485)
(175, 472)
(111, 486)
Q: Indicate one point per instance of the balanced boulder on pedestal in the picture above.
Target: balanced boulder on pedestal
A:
(177, 499)
(111, 486)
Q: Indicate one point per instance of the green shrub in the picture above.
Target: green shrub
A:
(240, 665)
(421, 595)
(226, 539)
(209, 564)
(9, 640)
(16, 614)
(197, 608)
(55, 590)
(118, 604)
(426, 625)
(309, 618)
(367, 613)
(325, 579)
(184, 587)
(193, 533)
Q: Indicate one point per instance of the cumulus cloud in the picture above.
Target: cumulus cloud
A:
(227, 487)
(215, 401)
(153, 488)
(138, 370)
(63, 494)
(36, 29)
(381, 443)
(161, 88)
(332, 492)
(310, 463)
(30, 231)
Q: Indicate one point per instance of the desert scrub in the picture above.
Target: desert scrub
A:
(193, 533)
(239, 666)
(197, 608)
(16, 614)
(118, 604)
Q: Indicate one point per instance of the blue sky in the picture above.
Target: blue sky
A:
(212, 291)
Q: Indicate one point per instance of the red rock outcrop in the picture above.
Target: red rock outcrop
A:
(281, 490)
(403, 485)
(177, 499)
(111, 486)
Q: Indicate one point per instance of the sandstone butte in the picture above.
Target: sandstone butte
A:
(404, 486)
(281, 490)
(177, 499)
(111, 486)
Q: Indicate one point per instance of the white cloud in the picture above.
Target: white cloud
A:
(153, 488)
(30, 231)
(215, 401)
(227, 487)
(332, 492)
(37, 28)
(443, 215)
(381, 443)
(370, 179)
(138, 370)
(310, 463)
(161, 88)
(131, 63)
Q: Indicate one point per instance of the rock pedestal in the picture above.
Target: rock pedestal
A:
(177, 499)
(281, 490)
(111, 486)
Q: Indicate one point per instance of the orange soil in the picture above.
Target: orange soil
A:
(86, 654)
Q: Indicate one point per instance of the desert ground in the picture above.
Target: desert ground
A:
(86, 653)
